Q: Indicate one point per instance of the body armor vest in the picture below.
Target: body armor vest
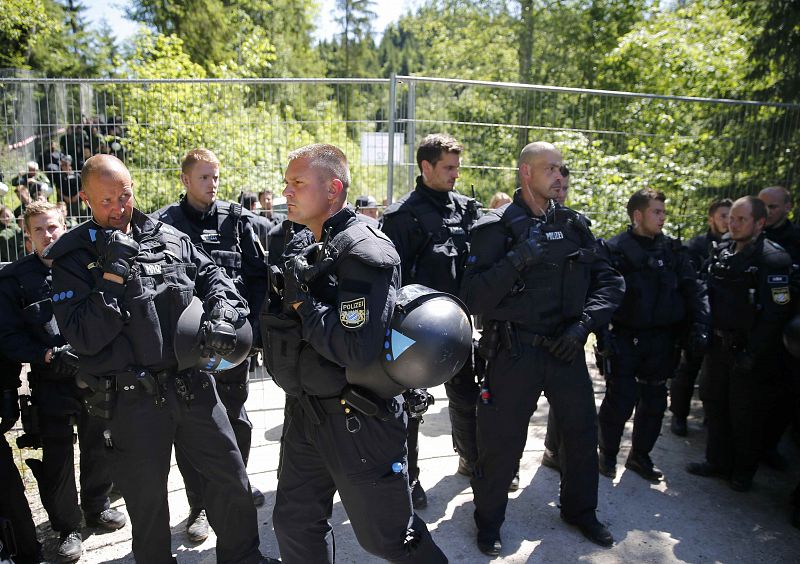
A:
(733, 289)
(441, 260)
(652, 297)
(551, 294)
(222, 245)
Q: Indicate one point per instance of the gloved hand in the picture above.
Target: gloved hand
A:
(220, 331)
(9, 409)
(117, 253)
(570, 343)
(298, 273)
(699, 339)
(64, 361)
(527, 253)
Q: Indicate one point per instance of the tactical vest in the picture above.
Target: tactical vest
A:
(440, 261)
(732, 289)
(156, 297)
(553, 293)
(652, 297)
(223, 244)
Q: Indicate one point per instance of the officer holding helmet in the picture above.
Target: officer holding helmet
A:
(327, 316)
(122, 281)
(541, 283)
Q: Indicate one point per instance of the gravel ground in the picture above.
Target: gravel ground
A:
(682, 519)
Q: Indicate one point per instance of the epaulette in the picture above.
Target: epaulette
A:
(490, 217)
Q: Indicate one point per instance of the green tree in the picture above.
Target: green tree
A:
(24, 24)
(775, 50)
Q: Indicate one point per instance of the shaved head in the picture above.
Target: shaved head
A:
(107, 166)
(108, 191)
(533, 150)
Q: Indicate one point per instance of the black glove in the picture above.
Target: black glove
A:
(298, 273)
(567, 345)
(220, 331)
(117, 253)
(9, 409)
(699, 339)
(527, 253)
(64, 361)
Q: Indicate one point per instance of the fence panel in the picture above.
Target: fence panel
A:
(693, 149)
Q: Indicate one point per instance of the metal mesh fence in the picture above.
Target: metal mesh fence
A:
(614, 142)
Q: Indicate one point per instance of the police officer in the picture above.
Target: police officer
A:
(777, 227)
(430, 229)
(29, 333)
(748, 283)
(340, 277)
(227, 233)
(15, 514)
(120, 283)
(681, 387)
(542, 283)
(661, 294)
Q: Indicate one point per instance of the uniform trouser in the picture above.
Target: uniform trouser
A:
(681, 387)
(143, 435)
(639, 372)
(462, 395)
(551, 438)
(516, 384)
(734, 404)
(55, 474)
(14, 504)
(232, 387)
(318, 460)
(781, 402)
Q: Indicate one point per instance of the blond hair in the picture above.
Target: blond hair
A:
(39, 208)
(198, 155)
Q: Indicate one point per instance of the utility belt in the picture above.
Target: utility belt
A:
(732, 339)
(352, 399)
(101, 402)
(509, 336)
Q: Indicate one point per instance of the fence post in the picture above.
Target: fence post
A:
(411, 131)
(392, 125)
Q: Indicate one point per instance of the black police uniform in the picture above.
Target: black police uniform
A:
(123, 334)
(28, 329)
(661, 296)
(327, 445)
(13, 503)
(227, 233)
(681, 387)
(531, 308)
(430, 230)
(750, 298)
(786, 407)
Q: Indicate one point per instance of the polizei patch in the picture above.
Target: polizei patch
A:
(353, 314)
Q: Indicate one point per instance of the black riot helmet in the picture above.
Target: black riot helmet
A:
(791, 336)
(427, 342)
(190, 338)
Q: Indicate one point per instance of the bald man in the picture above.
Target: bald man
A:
(778, 228)
(542, 283)
(120, 282)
